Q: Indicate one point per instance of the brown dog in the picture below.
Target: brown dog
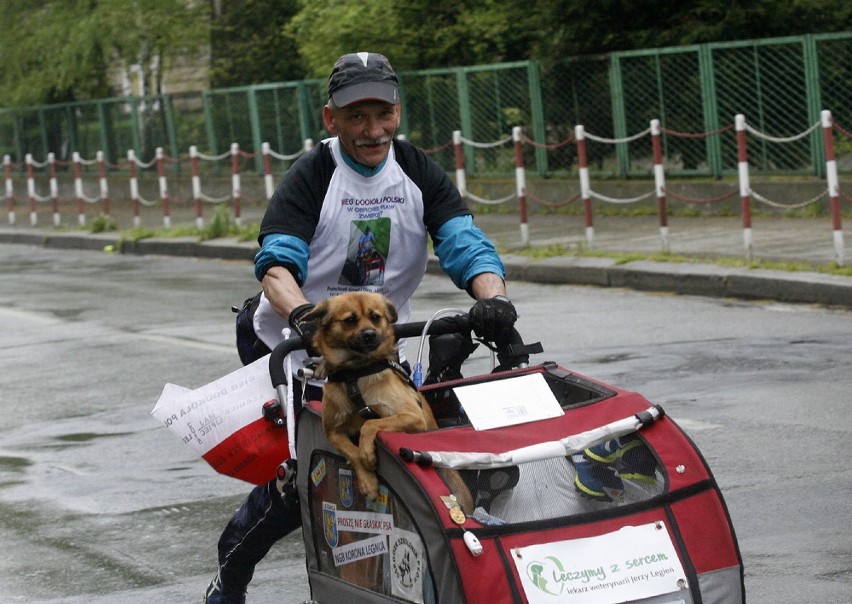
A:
(355, 337)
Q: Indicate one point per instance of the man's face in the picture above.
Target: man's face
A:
(365, 129)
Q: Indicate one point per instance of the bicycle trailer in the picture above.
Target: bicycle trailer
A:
(583, 492)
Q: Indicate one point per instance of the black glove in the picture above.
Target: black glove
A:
(490, 317)
(303, 328)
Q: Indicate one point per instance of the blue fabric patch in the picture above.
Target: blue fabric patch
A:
(281, 249)
(465, 252)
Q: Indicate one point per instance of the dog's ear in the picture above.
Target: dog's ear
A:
(319, 312)
(390, 312)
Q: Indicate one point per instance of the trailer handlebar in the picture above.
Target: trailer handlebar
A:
(511, 351)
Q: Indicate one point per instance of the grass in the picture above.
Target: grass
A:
(620, 258)
(221, 225)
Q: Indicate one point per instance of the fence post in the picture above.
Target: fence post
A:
(660, 184)
(267, 170)
(104, 183)
(134, 186)
(31, 190)
(164, 187)
(521, 184)
(461, 181)
(745, 184)
(585, 188)
(833, 185)
(54, 188)
(235, 182)
(78, 188)
(10, 189)
(196, 186)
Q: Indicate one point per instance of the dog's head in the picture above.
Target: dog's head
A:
(354, 328)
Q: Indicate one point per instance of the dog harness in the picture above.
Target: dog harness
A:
(350, 378)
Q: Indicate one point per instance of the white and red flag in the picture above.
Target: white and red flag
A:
(223, 422)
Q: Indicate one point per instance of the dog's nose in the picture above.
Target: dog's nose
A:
(368, 339)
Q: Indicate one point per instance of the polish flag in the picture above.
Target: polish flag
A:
(223, 423)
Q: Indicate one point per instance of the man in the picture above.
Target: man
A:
(358, 181)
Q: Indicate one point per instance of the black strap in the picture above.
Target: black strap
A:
(349, 376)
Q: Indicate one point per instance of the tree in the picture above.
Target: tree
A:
(62, 50)
(249, 45)
(419, 34)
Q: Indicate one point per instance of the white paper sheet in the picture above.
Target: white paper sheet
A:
(508, 402)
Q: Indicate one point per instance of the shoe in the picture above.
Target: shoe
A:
(628, 456)
(220, 594)
(596, 481)
(637, 463)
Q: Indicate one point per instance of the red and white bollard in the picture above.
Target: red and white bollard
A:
(585, 185)
(521, 186)
(745, 183)
(196, 186)
(134, 187)
(31, 194)
(164, 187)
(235, 182)
(268, 181)
(102, 180)
(78, 188)
(10, 188)
(461, 180)
(660, 184)
(54, 188)
(833, 186)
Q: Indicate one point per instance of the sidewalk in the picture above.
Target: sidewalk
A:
(799, 240)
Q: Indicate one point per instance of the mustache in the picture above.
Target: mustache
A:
(362, 142)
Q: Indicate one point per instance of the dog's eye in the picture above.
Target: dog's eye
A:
(375, 317)
(350, 320)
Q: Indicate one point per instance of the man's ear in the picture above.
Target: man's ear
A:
(328, 120)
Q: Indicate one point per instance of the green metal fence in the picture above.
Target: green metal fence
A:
(780, 84)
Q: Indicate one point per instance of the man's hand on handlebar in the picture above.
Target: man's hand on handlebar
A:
(492, 318)
(304, 328)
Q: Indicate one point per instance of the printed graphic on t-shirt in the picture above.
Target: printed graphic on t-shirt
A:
(369, 241)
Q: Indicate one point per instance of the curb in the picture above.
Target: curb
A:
(689, 279)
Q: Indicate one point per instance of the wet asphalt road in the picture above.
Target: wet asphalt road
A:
(99, 503)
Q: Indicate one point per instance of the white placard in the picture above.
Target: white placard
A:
(364, 522)
(359, 550)
(508, 402)
(630, 564)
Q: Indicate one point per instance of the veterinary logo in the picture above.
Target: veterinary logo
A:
(550, 576)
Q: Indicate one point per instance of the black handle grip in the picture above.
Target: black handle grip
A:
(512, 347)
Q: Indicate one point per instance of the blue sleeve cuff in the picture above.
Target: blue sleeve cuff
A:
(282, 250)
(464, 251)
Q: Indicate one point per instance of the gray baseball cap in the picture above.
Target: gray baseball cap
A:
(361, 76)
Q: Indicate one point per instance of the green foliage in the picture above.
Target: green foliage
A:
(324, 31)
(136, 234)
(63, 50)
(103, 223)
(255, 41)
(249, 44)
(621, 258)
(220, 224)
